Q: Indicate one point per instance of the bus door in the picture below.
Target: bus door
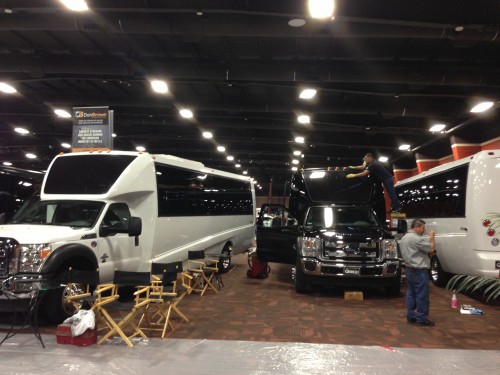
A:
(277, 234)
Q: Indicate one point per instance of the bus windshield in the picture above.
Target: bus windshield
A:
(76, 214)
(334, 217)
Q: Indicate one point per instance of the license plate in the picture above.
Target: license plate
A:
(351, 270)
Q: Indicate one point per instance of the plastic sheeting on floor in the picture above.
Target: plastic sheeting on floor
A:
(23, 354)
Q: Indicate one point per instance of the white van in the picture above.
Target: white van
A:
(461, 202)
(125, 210)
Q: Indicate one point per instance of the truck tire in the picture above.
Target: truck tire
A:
(439, 277)
(394, 288)
(301, 286)
(225, 260)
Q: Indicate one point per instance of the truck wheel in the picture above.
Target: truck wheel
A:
(225, 259)
(394, 289)
(301, 286)
(438, 276)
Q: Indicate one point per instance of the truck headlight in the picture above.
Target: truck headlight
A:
(32, 256)
(310, 246)
(389, 249)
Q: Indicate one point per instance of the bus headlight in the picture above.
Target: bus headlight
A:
(310, 246)
(389, 249)
(32, 256)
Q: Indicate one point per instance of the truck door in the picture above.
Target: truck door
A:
(277, 234)
(117, 249)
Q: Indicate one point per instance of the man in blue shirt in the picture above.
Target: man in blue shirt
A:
(416, 252)
(377, 170)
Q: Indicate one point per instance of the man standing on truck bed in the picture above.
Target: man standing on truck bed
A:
(415, 252)
(376, 169)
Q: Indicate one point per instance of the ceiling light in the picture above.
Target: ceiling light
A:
(221, 148)
(62, 113)
(31, 156)
(245, 172)
(207, 135)
(27, 184)
(481, 107)
(383, 159)
(113, 135)
(437, 128)
(140, 148)
(237, 165)
(303, 119)
(307, 94)
(186, 113)
(7, 163)
(299, 139)
(76, 5)
(22, 131)
(7, 89)
(66, 145)
(296, 22)
(295, 161)
(404, 147)
(230, 158)
(321, 8)
(297, 153)
(160, 87)
(294, 169)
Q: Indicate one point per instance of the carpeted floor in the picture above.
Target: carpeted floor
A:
(270, 310)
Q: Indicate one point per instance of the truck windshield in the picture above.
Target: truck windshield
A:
(78, 214)
(333, 217)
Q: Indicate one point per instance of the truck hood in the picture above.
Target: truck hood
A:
(29, 233)
(348, 233)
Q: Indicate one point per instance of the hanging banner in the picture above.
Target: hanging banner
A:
(92, 129)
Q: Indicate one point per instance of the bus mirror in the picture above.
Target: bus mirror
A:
(134, 226)
(402, 226)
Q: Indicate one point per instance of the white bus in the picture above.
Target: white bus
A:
(125, 210)
(461, 202)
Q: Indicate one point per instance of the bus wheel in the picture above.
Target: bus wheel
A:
(225, 259)
(438, 276)
(57, 305)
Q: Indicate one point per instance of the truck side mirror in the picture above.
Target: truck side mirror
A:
(402, 226)
(292, 222)
(134, 226)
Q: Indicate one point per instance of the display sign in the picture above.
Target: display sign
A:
(92, 129)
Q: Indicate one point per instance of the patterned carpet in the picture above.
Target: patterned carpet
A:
(270, 310)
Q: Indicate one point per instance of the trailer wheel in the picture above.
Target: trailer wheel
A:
(439, 277)
(225, 259)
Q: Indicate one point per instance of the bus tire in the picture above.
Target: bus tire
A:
(439, 277)
(56, 305)
(225, 259)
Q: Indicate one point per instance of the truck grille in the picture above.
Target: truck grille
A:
(354, 251)
(7, 251)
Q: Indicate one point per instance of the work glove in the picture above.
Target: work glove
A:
(351, 175)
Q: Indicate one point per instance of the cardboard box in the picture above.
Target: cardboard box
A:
(63, 336)
(353, 296)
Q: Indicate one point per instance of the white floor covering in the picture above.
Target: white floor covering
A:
(23, 354)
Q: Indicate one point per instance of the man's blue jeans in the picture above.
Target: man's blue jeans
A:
(417, 294)
(389, 185)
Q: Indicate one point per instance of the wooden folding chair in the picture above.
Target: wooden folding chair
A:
(83, 288)
(166, 292)
(203, 271)
(140, 280)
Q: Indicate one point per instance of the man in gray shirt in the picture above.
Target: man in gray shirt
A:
(415, 252)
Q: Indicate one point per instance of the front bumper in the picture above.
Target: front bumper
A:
(339, 273)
